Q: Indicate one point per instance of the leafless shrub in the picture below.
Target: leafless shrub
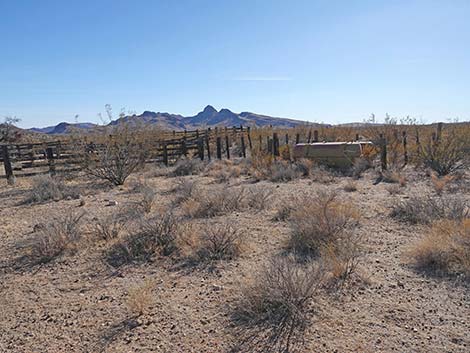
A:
(440, 184)
(393, 189)
(109, 227)
(427, 209)
(116, 159)
(350, 186)
(445, 250)
(46, 188)
(148, 198)
(259, 197)
(304, 166)
(446, 155)
(223, 170)
(219, 242)
(184, 190)
(157, 235)
(272, 314)
(215, 203)
(140, 298)
(393, 177)
(321, 220)
(60, 234)
(360, 165)
(188, 166)
(283, 171)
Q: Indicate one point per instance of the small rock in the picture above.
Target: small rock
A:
(112, 203)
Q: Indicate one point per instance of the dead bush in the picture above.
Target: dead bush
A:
(214, 203)
(440, 183)
(116, 159)
(148, 198)
(157, 235)
(223, 170)
(188, 166)
(184, 189)
(219, 242)
(109, 227)
(427, 209)
(320, 220)
(140, 298)
(393, 177)
(259, 197)
(60, 234)
(360, 165)
(272, 313)
(445, 250)
(350, 186)
(304, 166)
(46, 188)
(283, 171)
(446, 155)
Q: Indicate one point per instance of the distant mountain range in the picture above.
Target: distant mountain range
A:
(209, 117)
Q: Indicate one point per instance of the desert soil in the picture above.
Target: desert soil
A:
(77, 303)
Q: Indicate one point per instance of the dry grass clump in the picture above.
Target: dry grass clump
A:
(427, 209)
(440, 183)
(259, 197)
(445, 250)
(46, 188)
(272, 313)
(350, 186)
(109, 227)
(157, 235)
(283, 171)
(62, 233)
(304, 166)
(393, 189)
(215, 202)
(184, 189)
(393, 177)
(223, 170)
(188, 166)
(321, 220)
(360, 165)
(148, 198)
(219, 242)
(140, 298)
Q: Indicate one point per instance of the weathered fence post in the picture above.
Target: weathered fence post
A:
(208, 146)
(309, 136)
(184, 150)
(200, 148)
(270, 145)
(315, 136)
(439, 131)
(405, 149)
(165, 154)
(7, 165)
(297, 138)
(243, 146)
(50, 160)
(383, 151)
(357, 137)
(275, 144)
(249, 137)
(260, 143)
(227, 146)
(287, 138)
(219, 147)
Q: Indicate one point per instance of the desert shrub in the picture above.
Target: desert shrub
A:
(46, 188)
(118, 158)
(272, 313)
(445, 250)
(60, 234)
(148, 198)
(214, 203)
(283, 211)
(184, 189)
(219, 242)
(223, 170)
(109, 227)
(304, 166)
(188, 166)
(360, 165)
(283, 171)
(157, 235)
(393, 177)
(320, 220)
(140, 298)
(445, 156)
(393, 189)
(440, 183)
(350, 186)
(259, 197)
(427, 209)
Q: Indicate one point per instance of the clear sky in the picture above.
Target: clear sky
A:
(325, 60)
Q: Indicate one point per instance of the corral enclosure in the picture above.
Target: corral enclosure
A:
(211, 223)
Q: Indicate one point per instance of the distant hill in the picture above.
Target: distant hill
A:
(209, 117)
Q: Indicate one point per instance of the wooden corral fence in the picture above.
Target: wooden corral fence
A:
(21, 160)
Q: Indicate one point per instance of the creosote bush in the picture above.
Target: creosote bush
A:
(445, 250)
(427, 209)
(155, 236)
(320, 220)
(62, 233)
(272, 313)
(219, 242)
(46, 188)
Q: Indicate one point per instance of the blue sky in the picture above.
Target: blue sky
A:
(326, 60)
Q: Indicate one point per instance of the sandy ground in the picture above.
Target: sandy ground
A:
(77, 303)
